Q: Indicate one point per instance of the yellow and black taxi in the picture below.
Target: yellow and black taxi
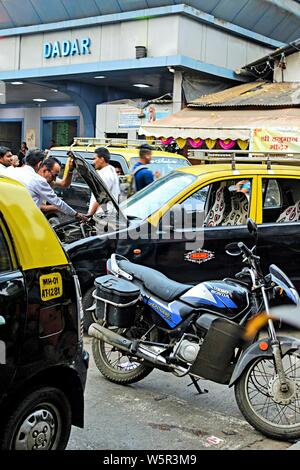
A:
(123, 158)
(216, 201)
(43, 365)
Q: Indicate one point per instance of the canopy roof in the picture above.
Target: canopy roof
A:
(255, 94)
(221, 124)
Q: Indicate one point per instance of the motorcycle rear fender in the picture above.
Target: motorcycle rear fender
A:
(253, 352)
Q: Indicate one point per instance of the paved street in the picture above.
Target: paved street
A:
(161, 412)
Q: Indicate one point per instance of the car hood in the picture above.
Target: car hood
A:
(96, 184)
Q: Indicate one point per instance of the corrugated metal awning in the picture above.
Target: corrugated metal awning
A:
(221, 124)
(253, 94)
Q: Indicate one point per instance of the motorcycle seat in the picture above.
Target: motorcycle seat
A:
(154, 281)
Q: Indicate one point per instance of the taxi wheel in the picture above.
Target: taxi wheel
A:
(41, 421)
(89, 317)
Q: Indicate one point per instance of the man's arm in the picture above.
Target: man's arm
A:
(66, 181)
(48, 208)
(49, 195)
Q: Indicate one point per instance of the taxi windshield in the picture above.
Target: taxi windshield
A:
(154, 196)
(161, 166)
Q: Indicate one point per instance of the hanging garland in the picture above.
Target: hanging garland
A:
(195, 143)
(226, 144)
(210, 143)
(243, 144)
(166, 141)
(180, 142)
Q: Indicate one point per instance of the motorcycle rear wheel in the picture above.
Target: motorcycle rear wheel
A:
(115, 365)
(122, 369)
(274, 413)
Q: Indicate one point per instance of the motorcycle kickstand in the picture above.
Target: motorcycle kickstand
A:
(195, 383)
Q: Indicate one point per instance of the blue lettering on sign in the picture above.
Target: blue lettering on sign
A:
(67, 48)
(55, 50)
(47, 50)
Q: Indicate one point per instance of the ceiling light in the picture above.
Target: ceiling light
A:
(17, 83)
(100, 76)
(39, 100)
(141, 85)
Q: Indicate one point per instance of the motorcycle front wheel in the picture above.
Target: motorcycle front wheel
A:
(271, 411)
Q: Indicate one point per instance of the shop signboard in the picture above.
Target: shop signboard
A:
(275, 139)
(128, 118)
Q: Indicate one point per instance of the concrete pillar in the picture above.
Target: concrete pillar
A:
(177, 91)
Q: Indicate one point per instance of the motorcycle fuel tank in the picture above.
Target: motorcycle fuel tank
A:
(226, 298)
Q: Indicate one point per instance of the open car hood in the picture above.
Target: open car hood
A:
(96, 184)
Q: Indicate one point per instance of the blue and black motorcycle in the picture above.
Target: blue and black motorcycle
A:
(147, 321)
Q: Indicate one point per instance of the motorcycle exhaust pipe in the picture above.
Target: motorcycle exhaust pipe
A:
(99, 332)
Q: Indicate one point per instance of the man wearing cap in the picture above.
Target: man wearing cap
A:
(140, 172)
(109, 175)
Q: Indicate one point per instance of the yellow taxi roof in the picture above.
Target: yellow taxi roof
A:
(226, 168)
(35, 242)
(127, 153)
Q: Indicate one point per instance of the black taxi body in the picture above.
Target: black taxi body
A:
(218, 200)
(43, 365)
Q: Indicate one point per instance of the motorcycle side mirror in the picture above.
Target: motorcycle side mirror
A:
(252, 227)
(233, 249)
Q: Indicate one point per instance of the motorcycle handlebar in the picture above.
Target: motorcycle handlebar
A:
(244, 249)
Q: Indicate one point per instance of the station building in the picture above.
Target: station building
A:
(60, 60)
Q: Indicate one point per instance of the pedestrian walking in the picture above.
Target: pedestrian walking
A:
(142, 175)
(22, 153)
(109, 175)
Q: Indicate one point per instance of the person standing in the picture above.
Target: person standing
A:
(22, 153)
(5, 159)
(140, 172)
(15, 161)
(37, 184)
(109, 175)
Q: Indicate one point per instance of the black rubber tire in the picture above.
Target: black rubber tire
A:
(274, 432)
(113, 375)
(87, 301)
(50, 398)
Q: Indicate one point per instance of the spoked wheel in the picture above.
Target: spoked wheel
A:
(264, 405)
(115, 365)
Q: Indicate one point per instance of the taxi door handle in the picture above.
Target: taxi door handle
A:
(2, 320)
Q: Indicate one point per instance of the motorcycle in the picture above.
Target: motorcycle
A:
(147, 321)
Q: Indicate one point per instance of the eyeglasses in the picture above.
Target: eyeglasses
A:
(54, 175)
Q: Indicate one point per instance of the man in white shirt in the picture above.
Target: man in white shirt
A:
(5, 159)
(109, 175)
(38, 184)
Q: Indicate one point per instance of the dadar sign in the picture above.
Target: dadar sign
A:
(67, 48)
